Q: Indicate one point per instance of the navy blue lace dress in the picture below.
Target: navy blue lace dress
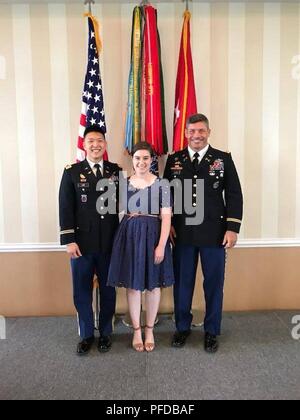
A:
(132, 262)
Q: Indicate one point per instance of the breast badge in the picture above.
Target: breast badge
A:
(217, 167)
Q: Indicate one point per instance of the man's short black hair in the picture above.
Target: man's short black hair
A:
(192, 119)
(93, 128)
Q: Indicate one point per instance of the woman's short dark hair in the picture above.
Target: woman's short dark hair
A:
(143, 145)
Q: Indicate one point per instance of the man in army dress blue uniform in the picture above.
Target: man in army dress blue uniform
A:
(209, 239)
(88, 236)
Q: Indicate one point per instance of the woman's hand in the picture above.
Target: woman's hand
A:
(159, 254)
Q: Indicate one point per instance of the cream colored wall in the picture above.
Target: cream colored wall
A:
(243, 66)
(34, 284)
(247, 72)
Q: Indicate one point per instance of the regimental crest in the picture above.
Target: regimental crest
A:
(177, 166)
(114, 178)
(184, 157)
(208, 158)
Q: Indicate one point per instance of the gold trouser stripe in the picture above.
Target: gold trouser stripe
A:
(230, 219)
(63, 232)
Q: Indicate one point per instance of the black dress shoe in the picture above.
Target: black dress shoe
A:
(84, 346)
(104, 343)
(180, 337)
(210, 343)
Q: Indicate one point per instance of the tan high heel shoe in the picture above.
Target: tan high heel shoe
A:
(139, 347)
(149, 345)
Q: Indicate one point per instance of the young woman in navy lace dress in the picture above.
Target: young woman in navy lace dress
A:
(141, 257)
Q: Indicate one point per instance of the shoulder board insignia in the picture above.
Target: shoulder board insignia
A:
(172, 153)
(68, 166)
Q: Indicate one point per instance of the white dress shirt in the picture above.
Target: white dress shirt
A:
(201, 153)
(92, 165)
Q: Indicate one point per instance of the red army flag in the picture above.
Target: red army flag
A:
(185, 94)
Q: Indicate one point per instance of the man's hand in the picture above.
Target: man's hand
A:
(73, 250)
(172, 235)
(230, 239)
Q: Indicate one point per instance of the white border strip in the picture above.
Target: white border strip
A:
(243, 243)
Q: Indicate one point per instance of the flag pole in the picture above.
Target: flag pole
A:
(89, 2)
(186, 4)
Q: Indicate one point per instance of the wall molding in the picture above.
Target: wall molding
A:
(242, 243)
(32, 247)
(268, 243)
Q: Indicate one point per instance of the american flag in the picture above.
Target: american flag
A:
(92, 108)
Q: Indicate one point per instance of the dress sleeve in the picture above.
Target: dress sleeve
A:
(165, 195)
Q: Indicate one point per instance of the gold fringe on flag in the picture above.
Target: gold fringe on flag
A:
(97, 31)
